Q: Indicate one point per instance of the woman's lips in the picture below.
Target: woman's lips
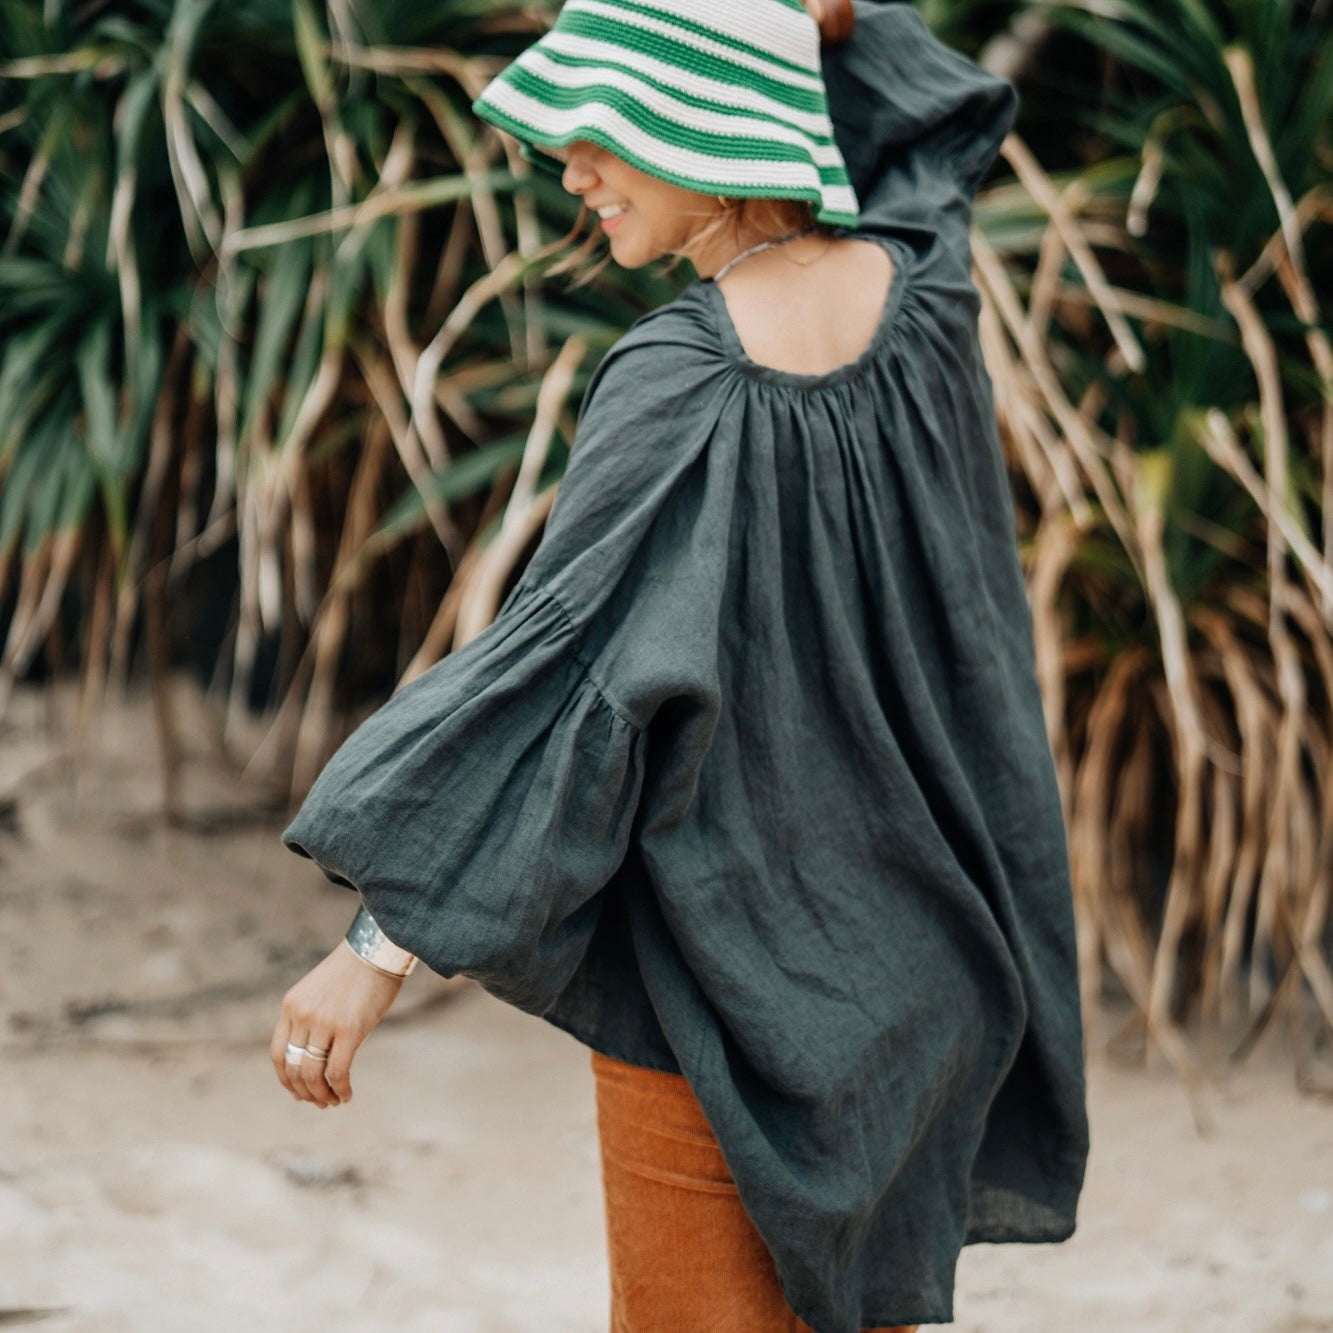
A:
(610, 224)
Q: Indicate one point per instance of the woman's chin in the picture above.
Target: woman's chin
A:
(628, 253)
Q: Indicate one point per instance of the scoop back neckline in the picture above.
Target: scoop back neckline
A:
(735, 349)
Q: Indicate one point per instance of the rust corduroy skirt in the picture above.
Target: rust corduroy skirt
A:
(684, 1255)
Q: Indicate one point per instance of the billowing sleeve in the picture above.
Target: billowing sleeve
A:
(918, 125)
(482, 810)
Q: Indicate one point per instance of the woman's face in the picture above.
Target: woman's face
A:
(644, 218)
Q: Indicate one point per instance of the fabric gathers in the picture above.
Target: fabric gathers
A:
(518, 725)
(749, 779)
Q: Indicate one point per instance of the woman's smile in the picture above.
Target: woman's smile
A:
(612, 217)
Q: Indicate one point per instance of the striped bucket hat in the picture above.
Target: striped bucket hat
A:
(725, 97)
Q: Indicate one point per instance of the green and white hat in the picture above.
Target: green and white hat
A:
(724, 97)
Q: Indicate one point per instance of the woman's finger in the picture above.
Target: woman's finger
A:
(295, 1064)
(338, 1071)
(311, 1073)
(277, 1052)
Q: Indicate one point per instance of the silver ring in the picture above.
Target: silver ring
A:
(295, 1054)
(316, 1054)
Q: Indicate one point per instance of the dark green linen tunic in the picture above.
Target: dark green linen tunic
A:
(749, 779)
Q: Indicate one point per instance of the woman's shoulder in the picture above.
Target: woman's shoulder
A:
(681, 326)
(671, 353)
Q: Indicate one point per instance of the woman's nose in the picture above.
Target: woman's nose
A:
(579, 175)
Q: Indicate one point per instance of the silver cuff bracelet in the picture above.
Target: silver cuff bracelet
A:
(373, 946)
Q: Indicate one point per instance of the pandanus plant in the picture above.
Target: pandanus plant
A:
(267, 294)
(274, 333)
(1174, 458)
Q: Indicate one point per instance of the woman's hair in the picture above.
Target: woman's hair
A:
(769, 217)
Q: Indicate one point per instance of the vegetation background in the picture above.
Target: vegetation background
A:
(284, 396)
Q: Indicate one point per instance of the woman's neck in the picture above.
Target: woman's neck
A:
(728, 242)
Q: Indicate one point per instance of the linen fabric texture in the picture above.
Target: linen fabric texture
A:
(685, 91)
(749, 780)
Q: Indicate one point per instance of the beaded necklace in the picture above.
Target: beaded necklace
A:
(763, 245)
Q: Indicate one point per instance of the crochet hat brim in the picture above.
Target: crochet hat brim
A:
(684, 101)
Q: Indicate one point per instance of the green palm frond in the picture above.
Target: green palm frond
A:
(276, 343)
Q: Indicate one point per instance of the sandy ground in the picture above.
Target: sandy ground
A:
(156, 1177)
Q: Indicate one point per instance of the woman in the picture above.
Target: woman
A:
(748, 786)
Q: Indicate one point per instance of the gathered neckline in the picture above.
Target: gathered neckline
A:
(735, 349)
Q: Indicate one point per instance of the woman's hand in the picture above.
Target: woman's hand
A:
(835, 19)
(333, 1008)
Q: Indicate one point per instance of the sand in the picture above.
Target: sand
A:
(156, 1177)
